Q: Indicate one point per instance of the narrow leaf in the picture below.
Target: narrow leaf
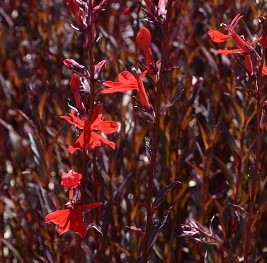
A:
(162, 194)
(157, 225)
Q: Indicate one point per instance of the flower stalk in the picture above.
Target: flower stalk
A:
(156, 129)
(253, 191)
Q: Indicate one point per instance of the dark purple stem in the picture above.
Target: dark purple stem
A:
(151, 168)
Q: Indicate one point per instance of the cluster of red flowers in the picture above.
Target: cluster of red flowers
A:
(72, 217)
(244, 47)
(93, 128)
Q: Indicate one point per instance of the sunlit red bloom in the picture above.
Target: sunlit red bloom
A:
(143, 40)
(264, 70)
(127, 81)
(71, 179)
(229, 51)
(217, 36)
(89, 138)
(244, 47)
(71, 219)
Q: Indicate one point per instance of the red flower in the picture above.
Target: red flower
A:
(248, 61)
(71, 219)
(127, 81)
(217, 36)
(71, 179)
(244, 47)
(143, 40)
(89, 137)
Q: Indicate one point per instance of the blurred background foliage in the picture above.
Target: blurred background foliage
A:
(207, 138)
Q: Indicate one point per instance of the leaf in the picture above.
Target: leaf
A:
(74, 65)
(148, 148)
(38, 154)
(238, 111)
(210, 59)
(14, 137)
(199, 171)
(94, 226)
(203, 136)
(230, 140)
(162, 194)
(99, 68)
(41, 106)
(227, 173)
(12, 248)
(108, 207)
(135, 229)
(169, 105)
(135, 211)
(51, 146)
(157, 225)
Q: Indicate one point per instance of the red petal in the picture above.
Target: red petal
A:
(72, 119)
(97, 122)
(78, 145)
(58, 217)
(249, 65)
(97, 140)
(217, 36)
(65, 227)
(75, 83)
(230, 51)
(109, 127)
(106, 126)
(126, 82)
(71, 179)
(143, 39)
(142, 93)
(96, 112)
(94, 140)
(149, 58)
(77, 224)
(126, 77)
(264, 70)
(235, 20)
(117, 87)
(240, 41)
